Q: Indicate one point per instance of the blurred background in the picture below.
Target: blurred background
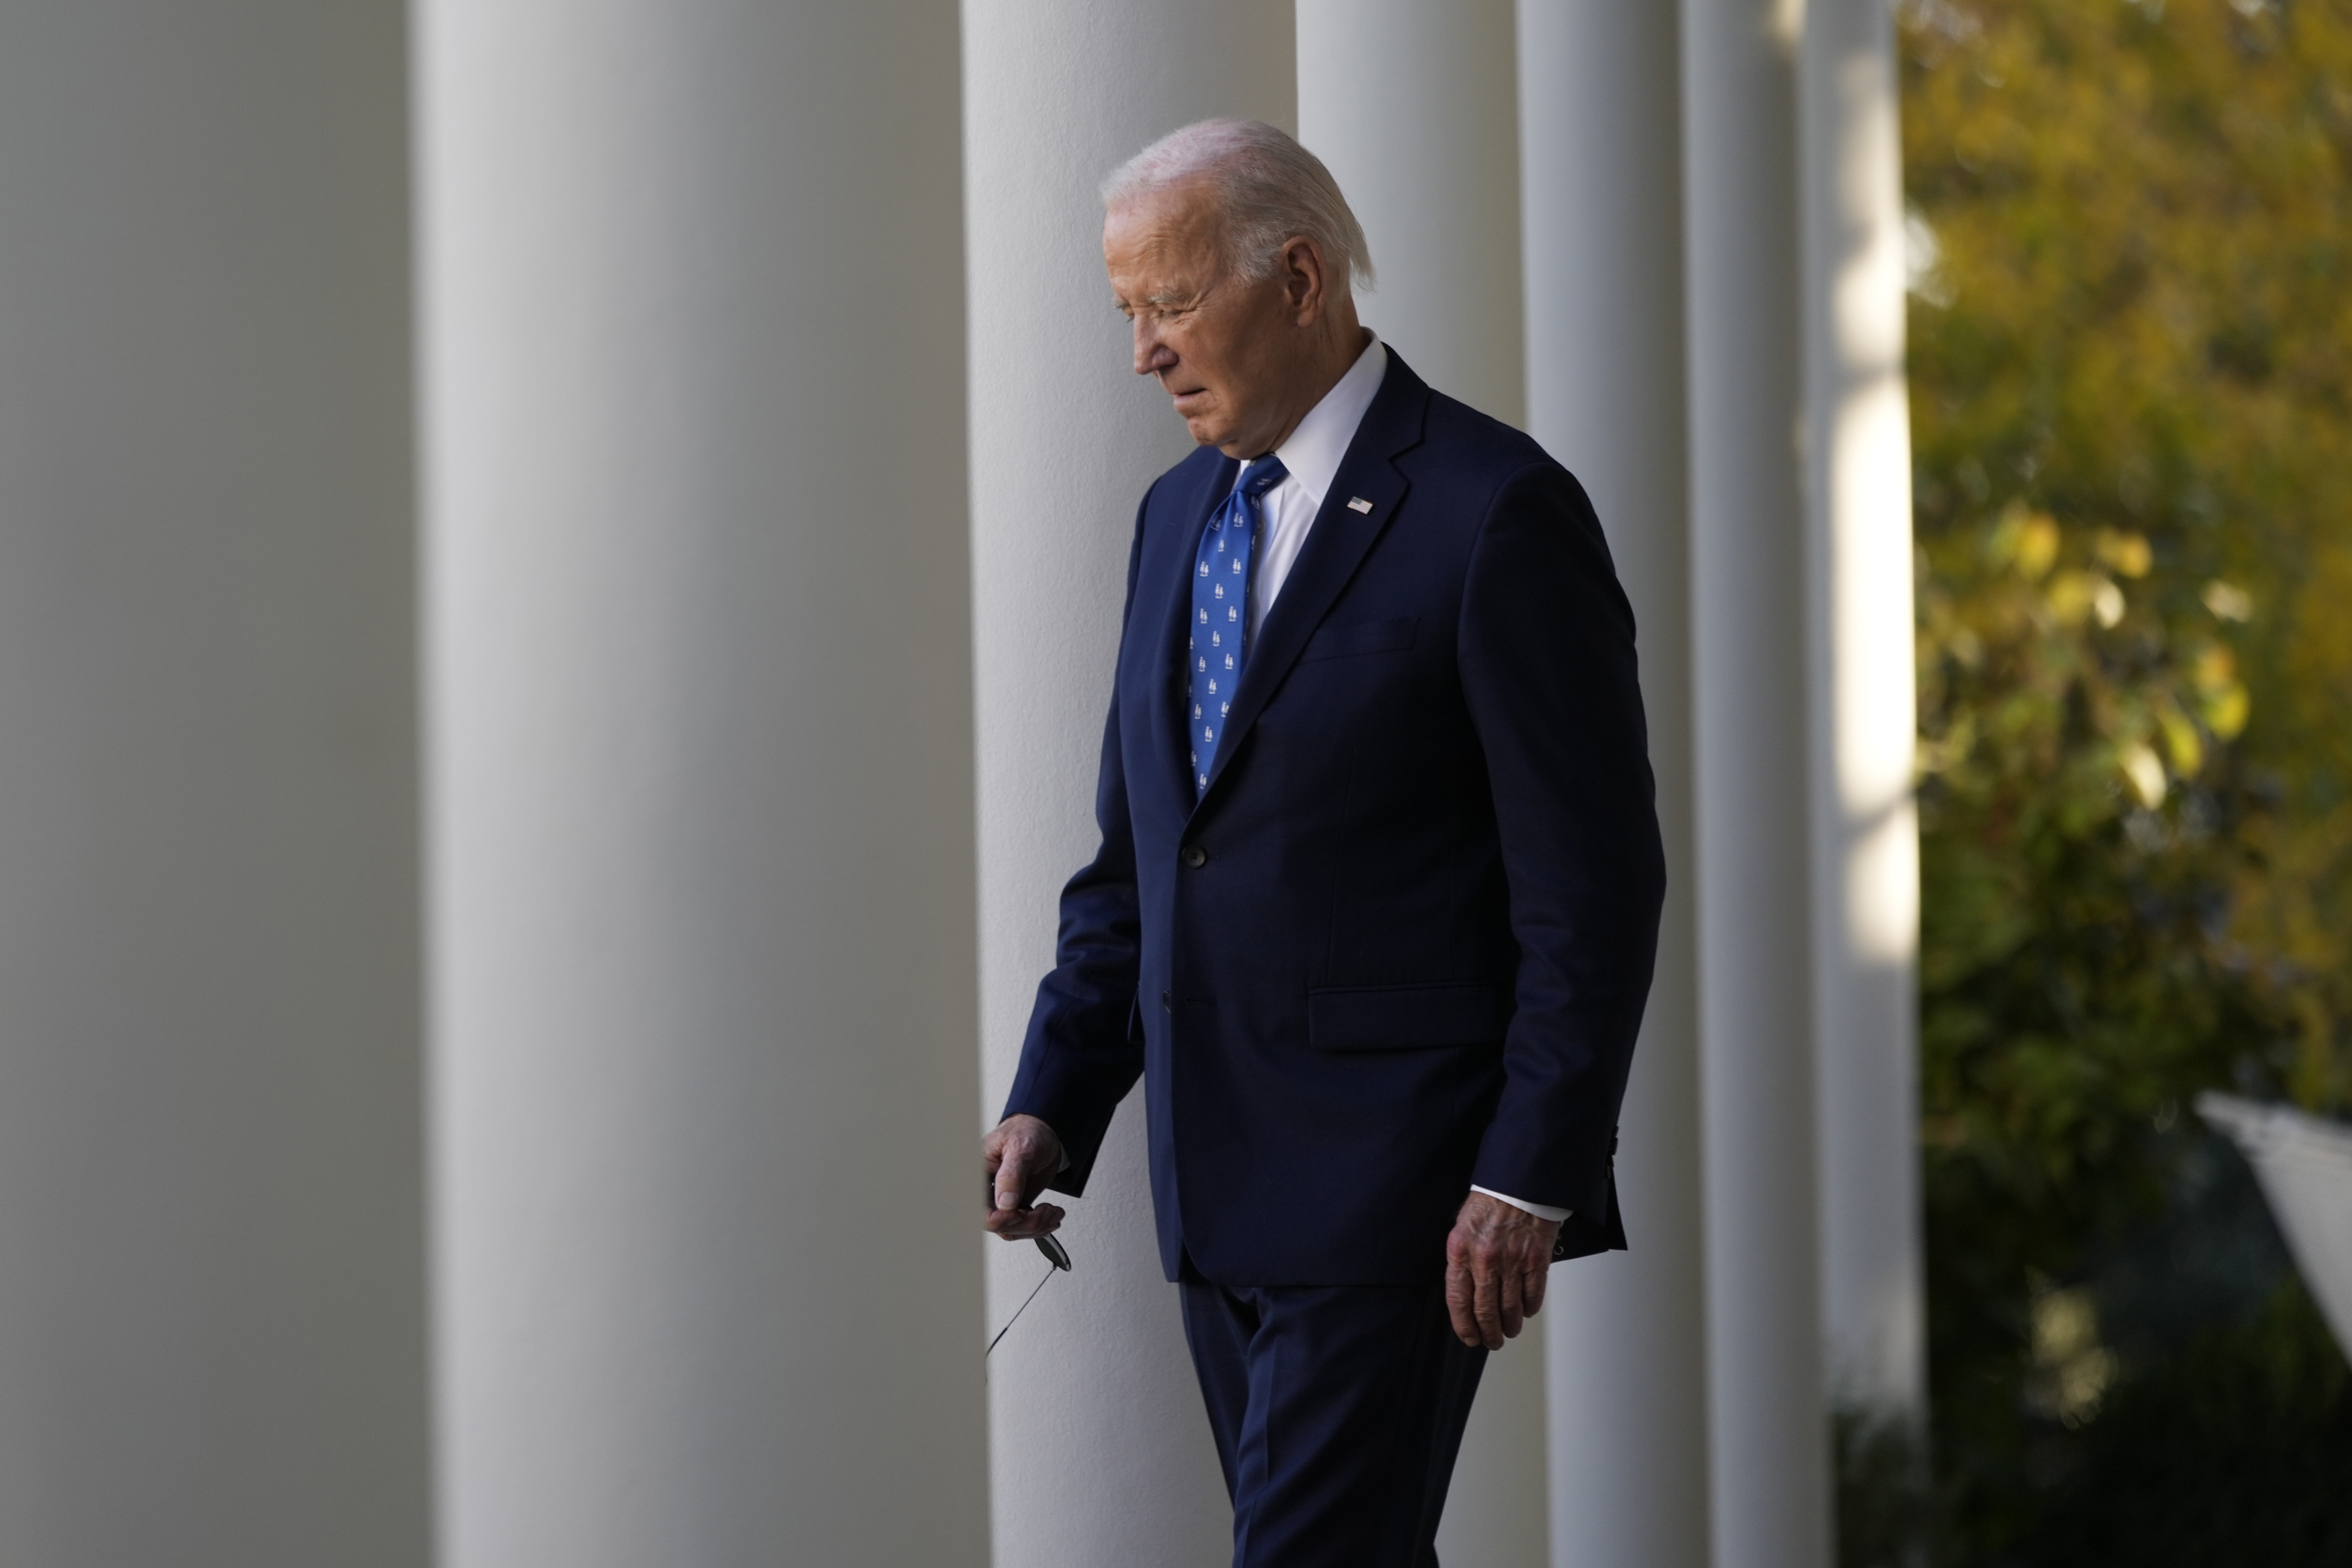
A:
(2130, 257)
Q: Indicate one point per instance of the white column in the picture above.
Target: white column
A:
(212, 1340)
(1766, 1421)
(1866, 839)
(1601, 171)
(1101, 1452)
(1413, 105)
(706, 1277)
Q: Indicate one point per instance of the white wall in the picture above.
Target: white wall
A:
(1100, 1449)
(212, 1347)
(1765, 1412)
(1859, 616)
(706, 1278)
(1602, 172)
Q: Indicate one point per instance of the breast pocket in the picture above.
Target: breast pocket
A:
(1355, 637)
(1406, 1017)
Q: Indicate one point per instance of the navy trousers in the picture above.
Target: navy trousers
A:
(1337, 1412)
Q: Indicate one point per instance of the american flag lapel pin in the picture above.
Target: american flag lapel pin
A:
(1358, 503)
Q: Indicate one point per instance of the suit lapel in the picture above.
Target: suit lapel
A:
(1335, 547)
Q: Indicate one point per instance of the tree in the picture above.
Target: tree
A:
(2132, 403)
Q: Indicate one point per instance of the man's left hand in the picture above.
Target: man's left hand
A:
(1019, 1156)
(1495, 1263)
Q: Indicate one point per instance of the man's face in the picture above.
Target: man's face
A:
(1222, 346)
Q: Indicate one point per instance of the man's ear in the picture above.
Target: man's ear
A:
(1303, 280)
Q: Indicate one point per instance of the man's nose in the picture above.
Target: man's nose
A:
(1151, 355)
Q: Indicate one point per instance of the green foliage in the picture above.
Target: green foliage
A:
(2131, 371)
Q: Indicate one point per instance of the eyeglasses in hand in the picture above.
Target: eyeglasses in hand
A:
(1055, 1254)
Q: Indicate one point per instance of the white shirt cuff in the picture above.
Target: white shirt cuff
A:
(1541, 1211)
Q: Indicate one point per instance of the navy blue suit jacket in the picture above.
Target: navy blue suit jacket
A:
(1403, 944)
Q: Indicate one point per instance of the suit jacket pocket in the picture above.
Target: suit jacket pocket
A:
(1361, 636)
(1406, 1017)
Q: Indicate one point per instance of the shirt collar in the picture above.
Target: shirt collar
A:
(1315, 450)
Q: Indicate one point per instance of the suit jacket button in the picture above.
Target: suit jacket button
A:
(1196, 856)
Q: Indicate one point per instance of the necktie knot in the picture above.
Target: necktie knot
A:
(1262, 475)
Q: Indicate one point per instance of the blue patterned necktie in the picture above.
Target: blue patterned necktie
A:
(1221, 591)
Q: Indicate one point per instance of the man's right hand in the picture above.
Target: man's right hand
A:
(1020, 1155)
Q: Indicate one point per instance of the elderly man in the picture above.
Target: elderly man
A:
(1375, 906)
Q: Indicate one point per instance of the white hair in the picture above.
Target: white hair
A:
(1270, 190)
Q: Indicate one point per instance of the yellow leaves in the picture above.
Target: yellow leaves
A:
(2228, 603)
(2184, 748)
(2143, 772)
(2013, 663)
(2127, 552)
(2072, 1370)
(2107, 604)
(2225, 712)
(2029, 543)
(2164, 719)
(2025, 540)
(2222, 701)
(2085, 593)
(2181, 740)
(2069, 597)
(2074, 595)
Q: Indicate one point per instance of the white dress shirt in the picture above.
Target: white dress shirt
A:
(1312, 457)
